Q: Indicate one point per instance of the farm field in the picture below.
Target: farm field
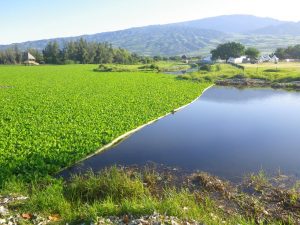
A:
(52, 116)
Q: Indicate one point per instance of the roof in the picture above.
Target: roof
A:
(29, 56)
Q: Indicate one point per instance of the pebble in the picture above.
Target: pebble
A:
(10, 218)
(3, 211)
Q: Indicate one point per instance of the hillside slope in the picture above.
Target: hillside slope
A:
(232, 23)
(193, 37)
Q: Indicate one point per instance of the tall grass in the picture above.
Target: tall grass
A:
(116, 192)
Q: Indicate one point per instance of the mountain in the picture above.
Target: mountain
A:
(160, 39)
(288, 28)
(193, 37)
(150, 40)
(232, 23)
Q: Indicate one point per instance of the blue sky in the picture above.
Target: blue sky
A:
(23, 20)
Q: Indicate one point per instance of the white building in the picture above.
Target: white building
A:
(29, 59)
(207, 60)
(267, 58)
(237, 60)
(274, 59)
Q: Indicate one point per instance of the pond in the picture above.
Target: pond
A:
(228, 132)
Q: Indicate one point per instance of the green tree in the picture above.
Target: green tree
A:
(52, 53)
(281, 53)
(291, 52)
(18, 54)
(104, 54)
(252, 53)
(227, 50)
(69, 52)
(82, 51)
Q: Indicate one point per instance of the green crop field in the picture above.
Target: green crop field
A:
(52, 116)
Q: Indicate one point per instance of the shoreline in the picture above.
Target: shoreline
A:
(158, 195)
(129, 133)
(250, 82)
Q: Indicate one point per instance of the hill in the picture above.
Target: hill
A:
(150, 40)
(232, 23)
(193, 37)
(289, 28)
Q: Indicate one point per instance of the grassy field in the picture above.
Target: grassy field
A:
(281, 72)
(276, 73)
(52, 116)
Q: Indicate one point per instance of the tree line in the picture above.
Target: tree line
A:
(235, 50)
(81, 52)
(291, 52)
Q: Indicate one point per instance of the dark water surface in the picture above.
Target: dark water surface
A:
(227, 132)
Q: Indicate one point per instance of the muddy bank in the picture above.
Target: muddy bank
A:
(248, 82)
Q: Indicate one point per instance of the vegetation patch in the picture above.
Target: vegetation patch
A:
(282, 75)
(272, 70)
(156, 193)
(60, 114)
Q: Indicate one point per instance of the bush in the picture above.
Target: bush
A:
(149, 67)
(111, 184)
(104, 68)
(194, 65)
(68, 62)
(206, 67)
(239, 76)
(271, 70)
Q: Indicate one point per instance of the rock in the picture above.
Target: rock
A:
(156, 223)
(3, 211)
(173, 222)
(143, 222)
(26, 216)
(126, 219)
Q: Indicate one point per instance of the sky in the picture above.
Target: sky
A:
(24, 20)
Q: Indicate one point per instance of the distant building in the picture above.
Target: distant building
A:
(29, 59)
(185, 59)
(274, 59)
(292, 60)
(267, 58)
(206, 60)
(239, 60)
(220, 61)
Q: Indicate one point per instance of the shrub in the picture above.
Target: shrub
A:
(69, 62)
(104, 68)
(239, 76)
(194, 65)
(271, 70)
(206, 67)
(149, 67)
(111, 184)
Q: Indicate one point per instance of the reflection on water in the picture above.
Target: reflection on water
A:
(227, 132)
